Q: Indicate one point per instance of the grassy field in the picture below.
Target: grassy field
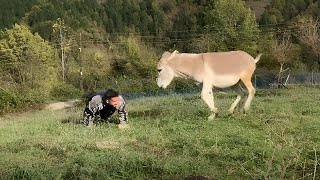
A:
(170, 138)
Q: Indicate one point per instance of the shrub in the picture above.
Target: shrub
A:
(64, 91)
(8, 100)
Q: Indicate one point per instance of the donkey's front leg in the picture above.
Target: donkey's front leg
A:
(207, 97)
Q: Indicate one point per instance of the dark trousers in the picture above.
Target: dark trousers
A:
(104, 113)
(107, 111)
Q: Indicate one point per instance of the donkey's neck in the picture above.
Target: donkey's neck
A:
(189, 66)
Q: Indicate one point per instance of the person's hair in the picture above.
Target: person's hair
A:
(110, 93)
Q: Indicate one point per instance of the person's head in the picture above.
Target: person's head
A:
(111, 97)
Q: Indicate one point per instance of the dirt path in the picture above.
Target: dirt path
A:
(61, 105)
(52, 106)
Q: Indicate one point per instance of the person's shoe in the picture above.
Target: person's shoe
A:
(123, 122)
(90, 124)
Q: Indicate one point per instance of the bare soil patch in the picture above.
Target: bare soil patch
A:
(61, 105)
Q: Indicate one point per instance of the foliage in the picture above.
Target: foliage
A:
(29, 61)
(28, 58)
(16, 101)
(309, 34)
(117, 43)
(13, 11)
(140, 58)
(282, 11)
(231, 31)
(63, 91)
(8, 100)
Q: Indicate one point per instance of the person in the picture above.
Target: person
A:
(103, 105)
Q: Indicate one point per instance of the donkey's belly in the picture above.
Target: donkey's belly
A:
(224, 81)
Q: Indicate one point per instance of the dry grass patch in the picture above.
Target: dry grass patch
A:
(107, 144)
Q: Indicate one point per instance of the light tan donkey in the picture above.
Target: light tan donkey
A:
(216, 69)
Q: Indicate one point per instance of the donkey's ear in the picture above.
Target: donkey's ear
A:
(172, 54)
(166, 54)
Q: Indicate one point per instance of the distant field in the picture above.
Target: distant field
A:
(171, 138)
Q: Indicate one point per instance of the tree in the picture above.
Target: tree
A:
(60, 28)
(28, 59)
(230, 31)
(309, 34)
(293, 8)
(281, 50)
(139, 59)
(271, 16)
(278, 4)
(12, 11)
(65, 43)
(185, 27)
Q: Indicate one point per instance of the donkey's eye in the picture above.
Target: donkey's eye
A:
(159, 70)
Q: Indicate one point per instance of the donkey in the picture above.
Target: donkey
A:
(214, 69)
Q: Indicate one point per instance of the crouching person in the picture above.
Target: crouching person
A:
(103, 105)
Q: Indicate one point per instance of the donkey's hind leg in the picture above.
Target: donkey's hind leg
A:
(251, 92)
(238, 89)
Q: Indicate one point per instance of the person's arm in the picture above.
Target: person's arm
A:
(95, 104)
(92, 107)
(123, 114)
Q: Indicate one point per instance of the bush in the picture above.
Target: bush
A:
(8, 100)
(32, 96)
(20, 100)
(126, 85)
(64, 92)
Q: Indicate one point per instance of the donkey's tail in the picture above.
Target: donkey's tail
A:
(258, 58)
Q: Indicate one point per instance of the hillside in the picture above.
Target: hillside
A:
(60, 49)
(258, 7)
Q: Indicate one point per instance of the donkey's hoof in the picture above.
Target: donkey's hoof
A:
(212, 117)
(244, 111)
(230, 112)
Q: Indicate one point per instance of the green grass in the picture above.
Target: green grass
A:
(170, 138)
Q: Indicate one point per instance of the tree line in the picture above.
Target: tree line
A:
(60, 49)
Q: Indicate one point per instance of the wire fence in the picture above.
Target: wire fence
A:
(260, 82)
(272, 81)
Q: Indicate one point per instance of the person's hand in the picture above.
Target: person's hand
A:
(123, 125)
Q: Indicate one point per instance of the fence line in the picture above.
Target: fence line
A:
(267, 81)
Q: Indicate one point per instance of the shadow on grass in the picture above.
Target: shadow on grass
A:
(198, 178)
(72, 120)
(76, 118)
